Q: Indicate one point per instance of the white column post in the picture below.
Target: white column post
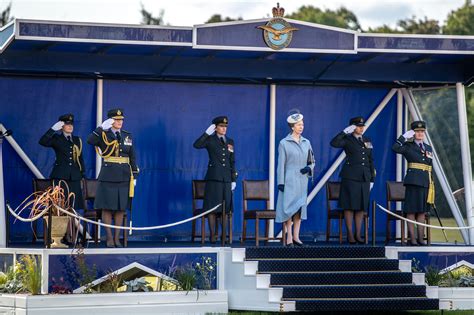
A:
(3, 224)
(271, 156)
(466, 157)
(98, 121)
(438, 169)
(399, 157)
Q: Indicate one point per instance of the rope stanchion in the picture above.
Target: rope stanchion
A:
(145, 228)
(423, 224)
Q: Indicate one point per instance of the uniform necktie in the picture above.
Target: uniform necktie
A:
(360, 140)
(117, 135)
(69, 138)
(222, 140)
(421, 146)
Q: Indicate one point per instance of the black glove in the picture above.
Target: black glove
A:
(281, 188)
(305, 170)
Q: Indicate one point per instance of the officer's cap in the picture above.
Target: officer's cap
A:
(220, 120)
(68, 119)
(116, 113)
(418, 125)
(357, 121)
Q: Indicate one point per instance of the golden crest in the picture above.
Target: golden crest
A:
(277, 33)
(225, 120)
(119, 112)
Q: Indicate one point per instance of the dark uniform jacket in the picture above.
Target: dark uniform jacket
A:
(359, 163)
(221, 165)
(115, 172)
(65, 167)
(414, 154)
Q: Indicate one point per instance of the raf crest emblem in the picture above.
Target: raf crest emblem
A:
(277, 33)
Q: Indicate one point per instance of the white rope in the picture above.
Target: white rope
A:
(144, 228)
(423, 224)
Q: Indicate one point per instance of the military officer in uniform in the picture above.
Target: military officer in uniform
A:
(69, 165)
(418, 181)
(117, 175)
(357, 175)
(221, 175)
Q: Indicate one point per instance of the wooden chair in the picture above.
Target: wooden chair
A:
(257, 190)
(40, 185)
(90, 188)
(332, 195)
(198, 189)
(396, 192)
(333, 190)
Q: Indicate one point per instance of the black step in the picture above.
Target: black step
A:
(255, 253)
(397, 304)
(327, 265)
(379, 277)
(353, 291)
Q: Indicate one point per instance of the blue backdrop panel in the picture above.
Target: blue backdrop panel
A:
(327, 111)
(165, 119)
(29, 107)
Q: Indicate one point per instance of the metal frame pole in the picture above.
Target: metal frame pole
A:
(98, 120)
(438, 168)
(399, 157)
(466, 156)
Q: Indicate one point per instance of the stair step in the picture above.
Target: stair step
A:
(353, 291)
(314, 252)
(286, 266)
(383, 304)
(277, 279)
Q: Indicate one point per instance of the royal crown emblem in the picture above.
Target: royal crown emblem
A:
(277, 33)
(119, 112)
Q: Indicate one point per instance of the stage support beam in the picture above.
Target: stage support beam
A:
(399, 157)
(412, 107)
(466, 156)
(342, 156)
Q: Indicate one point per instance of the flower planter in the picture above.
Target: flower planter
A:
(214, 301)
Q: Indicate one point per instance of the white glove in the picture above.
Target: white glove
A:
(57, 126)
(409, 134)
(210, 130)
(349, 129)
(234, 184)
(371, 186)
(107, 124)
(134, 182)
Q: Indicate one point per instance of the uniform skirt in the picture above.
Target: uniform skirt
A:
(416, 199)
(112, 196)
(354, 195)
(73, 186)
(214, 193)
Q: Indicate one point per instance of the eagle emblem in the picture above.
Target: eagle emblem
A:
(277, 33)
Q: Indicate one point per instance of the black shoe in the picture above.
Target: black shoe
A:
(360, 241)
(413, 243)
(118, 244)
(290, 245)
(422, 243)
(110, 245)
(299, 244)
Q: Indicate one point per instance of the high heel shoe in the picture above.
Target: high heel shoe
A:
(299, 244)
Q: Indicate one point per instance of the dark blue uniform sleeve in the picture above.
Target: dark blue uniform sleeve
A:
(339, 141)
(201, 142)
(47, 140)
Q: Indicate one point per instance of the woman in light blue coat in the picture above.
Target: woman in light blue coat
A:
(295, 166)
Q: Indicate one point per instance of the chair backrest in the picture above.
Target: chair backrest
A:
(199, 187)
(395, 191)
(333, 190)
(90, 188)
(255, 190)
(40, 184)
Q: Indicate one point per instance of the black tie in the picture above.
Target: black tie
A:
(222, 140)
(117, 135)
(421, 146)
(360, 140)
(69, 138)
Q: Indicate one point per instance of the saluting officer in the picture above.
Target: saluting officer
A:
(69, 165)
(357, 175)
(418, 181)
(117, 175)
(221, 174)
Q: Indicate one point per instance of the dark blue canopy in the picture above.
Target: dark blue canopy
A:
(233, 51)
